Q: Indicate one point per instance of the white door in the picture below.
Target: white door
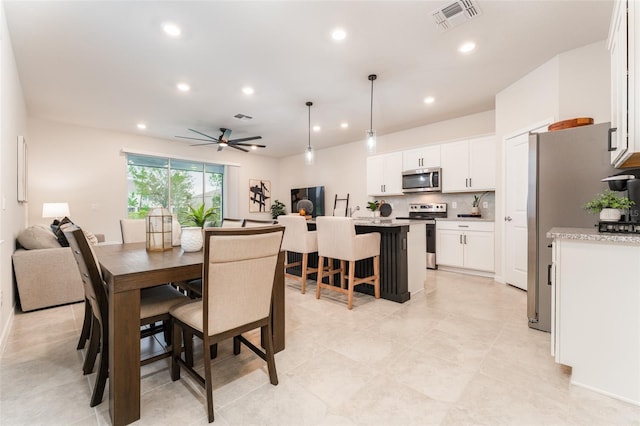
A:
(516, 189)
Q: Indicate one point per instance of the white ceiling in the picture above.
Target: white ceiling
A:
(108, 64)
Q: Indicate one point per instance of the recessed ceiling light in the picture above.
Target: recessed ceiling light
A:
(429, 100)
(183, 87)
(171, 29)
(344, 125)
(338, 34)
(316, 128)
(247, 90)
(467, 47)
(141, 126)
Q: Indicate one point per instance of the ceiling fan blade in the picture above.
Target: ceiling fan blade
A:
(252, 138)
(203, 144)
(248, 144)
(237, 147)
(225, 134)
(197, 139)
(204, 134)
(220, 147)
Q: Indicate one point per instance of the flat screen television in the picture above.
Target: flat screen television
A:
(315, 194)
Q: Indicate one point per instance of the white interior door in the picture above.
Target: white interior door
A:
(516, 189)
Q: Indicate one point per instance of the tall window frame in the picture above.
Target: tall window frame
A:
(154, 181)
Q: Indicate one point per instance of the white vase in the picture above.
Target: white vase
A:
(610, 215)
(191, 238)
(475, 210)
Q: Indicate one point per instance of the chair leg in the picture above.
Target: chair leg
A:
(331, 270)
(86, 325)
(352, 278)
(376, 271)
(166, 331)
(213, 351)
(176, 332)
(305, 262)
(236, 345)
(267, 338)
(343, 267)
(188, 347)
(320, 275)
(207, 380)
(103, 371)
(94, 347)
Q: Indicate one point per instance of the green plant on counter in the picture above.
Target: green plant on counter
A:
(477, 198)
(277, 209)
(373, 205)
(198, 216)
(608, 200)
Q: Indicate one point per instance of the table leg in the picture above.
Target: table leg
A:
(124, 356)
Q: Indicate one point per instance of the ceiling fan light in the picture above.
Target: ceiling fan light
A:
(223, 144)
(254, 147)
(371, 142)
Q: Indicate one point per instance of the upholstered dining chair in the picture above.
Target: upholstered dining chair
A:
(337, 239)
(298, 239)
(238, 274)
(232, 223)
(133, 230)
(154, 306)
(251, 223)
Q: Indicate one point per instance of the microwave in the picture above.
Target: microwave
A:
(421, 180)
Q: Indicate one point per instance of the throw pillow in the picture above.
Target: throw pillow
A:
(37, 237)
(58, 229)
(92, 239)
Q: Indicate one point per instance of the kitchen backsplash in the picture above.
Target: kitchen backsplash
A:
(456, 203)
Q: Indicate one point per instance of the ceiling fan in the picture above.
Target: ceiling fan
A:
(223, 140)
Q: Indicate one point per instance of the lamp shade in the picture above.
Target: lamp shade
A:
(55, 209)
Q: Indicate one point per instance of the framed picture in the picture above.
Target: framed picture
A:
(22, 169)
(259, 196)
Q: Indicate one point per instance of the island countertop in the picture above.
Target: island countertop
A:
(592, 234)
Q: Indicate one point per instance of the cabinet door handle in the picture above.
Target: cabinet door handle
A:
(465, 239)
(460, 238)
(549, 274)
(470, 184)
(609, 146)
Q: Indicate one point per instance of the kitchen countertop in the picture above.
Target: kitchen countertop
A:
(464, 219)
(592, 234)
(386, 222)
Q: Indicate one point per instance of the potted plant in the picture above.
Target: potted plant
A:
(609, 205)
(373, 206)
(277, 209)
(191, 237)
(475, 205)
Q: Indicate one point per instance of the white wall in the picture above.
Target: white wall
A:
(342, 169)
(86, 168)
(573, 84)
(12, 214)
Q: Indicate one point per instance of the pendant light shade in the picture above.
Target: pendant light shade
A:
(308, 155)
(371, 134)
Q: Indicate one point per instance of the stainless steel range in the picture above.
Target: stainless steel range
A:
(428, 212)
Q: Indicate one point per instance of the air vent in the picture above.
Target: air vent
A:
(455, 14)
(242, 117)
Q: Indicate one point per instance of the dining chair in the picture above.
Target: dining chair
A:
(251, 223)
(133, 230)
(238, 274)
(337, 239)
(232, 223)
(155, 304)
(298, 239)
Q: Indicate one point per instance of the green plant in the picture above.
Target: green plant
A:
(608, 200)
(198, 216)
(277, 209)
(477, 198)
(373, 205)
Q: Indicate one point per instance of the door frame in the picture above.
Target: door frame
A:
(503, 203)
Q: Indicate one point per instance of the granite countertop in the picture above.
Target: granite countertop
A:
(592, 234)
(464, 219)
(384, 221)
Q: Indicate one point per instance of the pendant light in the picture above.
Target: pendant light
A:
(371, 134)
(308, 155)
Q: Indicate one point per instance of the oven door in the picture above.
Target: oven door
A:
(422, 180)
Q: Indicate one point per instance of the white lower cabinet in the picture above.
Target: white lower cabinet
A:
(465, 244)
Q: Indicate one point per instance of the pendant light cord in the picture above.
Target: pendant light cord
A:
(371, 77)
(309, 128)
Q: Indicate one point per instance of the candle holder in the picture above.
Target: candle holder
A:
(159, 229)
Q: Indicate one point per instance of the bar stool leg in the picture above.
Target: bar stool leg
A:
(352, 278)
(305, 262)
(319, 275)
(343, 271)
(376, 271)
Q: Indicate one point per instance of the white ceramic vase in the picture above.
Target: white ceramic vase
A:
(610, 215)
(191, 238)
(475, 210)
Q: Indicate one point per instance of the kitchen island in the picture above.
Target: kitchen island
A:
(595, 325)
(403, 263)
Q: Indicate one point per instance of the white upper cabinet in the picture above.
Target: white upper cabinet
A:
(469, 165)
(624, 47)
(384, 174)
(427, 156)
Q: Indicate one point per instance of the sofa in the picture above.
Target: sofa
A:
(46, 273)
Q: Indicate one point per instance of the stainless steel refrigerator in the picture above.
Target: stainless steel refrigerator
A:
(565, 168)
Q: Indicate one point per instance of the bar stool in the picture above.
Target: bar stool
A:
(298, 239)
(337, 239)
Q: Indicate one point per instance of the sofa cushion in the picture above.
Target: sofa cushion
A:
(37, 237)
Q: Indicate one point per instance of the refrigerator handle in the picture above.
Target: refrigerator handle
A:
(549, 274)
(609, 147)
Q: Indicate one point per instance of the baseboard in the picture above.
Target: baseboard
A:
(467, 271)
(5, 331)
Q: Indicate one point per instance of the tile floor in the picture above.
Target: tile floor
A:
(458, 354)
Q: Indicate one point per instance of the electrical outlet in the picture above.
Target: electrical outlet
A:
(454, 205)
(485, 205)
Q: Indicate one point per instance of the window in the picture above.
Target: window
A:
(171, 183)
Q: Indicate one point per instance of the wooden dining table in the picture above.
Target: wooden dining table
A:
(128, 268)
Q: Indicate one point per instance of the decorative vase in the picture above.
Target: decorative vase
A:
(475, 210)
(376, 214)
(610, 215)
(191, 238)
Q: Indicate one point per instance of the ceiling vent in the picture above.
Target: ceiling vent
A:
(454, 14)
(242, 117)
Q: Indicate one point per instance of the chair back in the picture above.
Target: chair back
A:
(251, 223)
(295, 234)
(336, 237)
(232, 223)
(239, 271)
(94, 289)
(133, 230)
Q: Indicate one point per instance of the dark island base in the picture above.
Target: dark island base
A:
(393, 263)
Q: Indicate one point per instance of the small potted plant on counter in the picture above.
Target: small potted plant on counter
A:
(373, 206)
(277, 209)
(609, 206)
(475, 205)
